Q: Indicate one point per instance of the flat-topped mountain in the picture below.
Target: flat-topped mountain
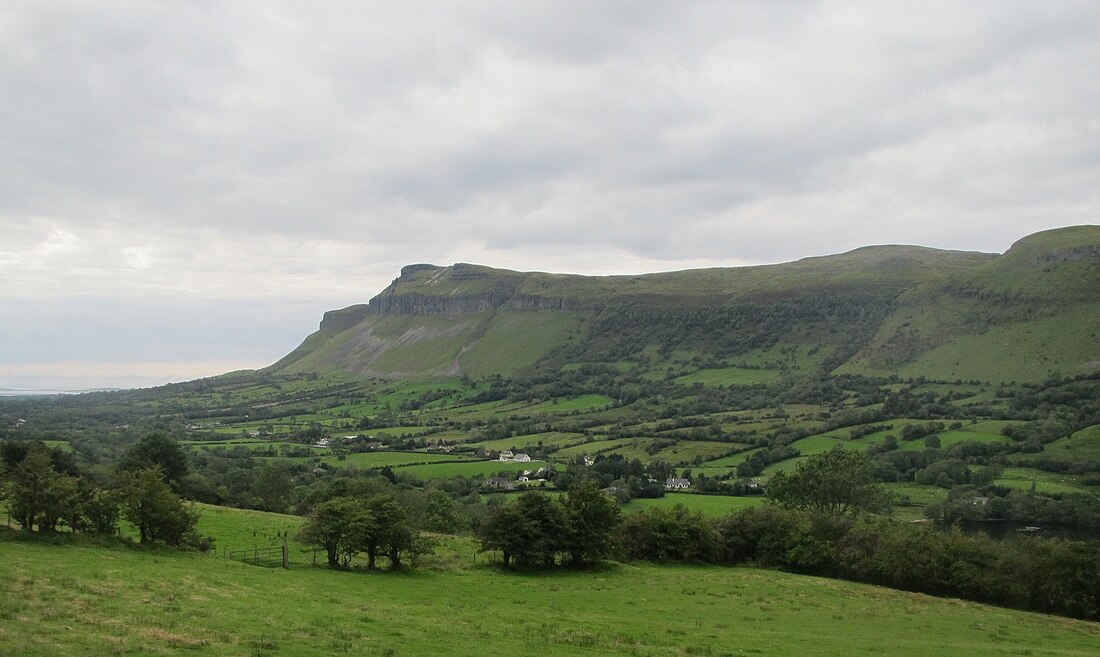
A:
(904, 310)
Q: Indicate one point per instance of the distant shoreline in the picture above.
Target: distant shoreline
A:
(40, 392)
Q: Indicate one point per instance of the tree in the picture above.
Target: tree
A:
(390, 528)
(158, 513)
(551, 528)
(98, 511)
(336, 526)
(39, 496)
(674, 533)
(839, 481)
(273, 486)
(531, 530)
(507, 530)
(158, 450)
(347, 526)
(592, 518)
(436, 511)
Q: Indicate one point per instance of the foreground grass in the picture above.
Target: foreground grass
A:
(82, 599)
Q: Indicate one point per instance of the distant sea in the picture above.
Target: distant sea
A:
(34, 392)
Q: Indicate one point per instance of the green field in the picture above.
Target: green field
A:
(82, 600)
(1081, 447)
(549, 439)
(729, 376)
(711, 505)
(949, 438)
(1044, 482)
(911, 494)
(392, 459)
(467, 469)
(241, 529)
(818, 444)
(251, 444)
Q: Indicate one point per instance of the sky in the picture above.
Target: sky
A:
(185, 187)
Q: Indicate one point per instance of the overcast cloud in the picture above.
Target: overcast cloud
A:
(195, 183)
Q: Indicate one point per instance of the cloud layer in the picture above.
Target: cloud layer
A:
(288, 155)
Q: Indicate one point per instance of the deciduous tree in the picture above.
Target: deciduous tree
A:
(839, 481)
(158, 450)
(593, 518)
(158, 513)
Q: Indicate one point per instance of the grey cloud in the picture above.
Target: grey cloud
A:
(234, 150)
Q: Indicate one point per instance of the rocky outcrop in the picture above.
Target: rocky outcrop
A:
(432, 290)
(1088, 252)
(338, 321)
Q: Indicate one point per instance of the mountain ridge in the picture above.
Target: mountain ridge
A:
(859, 307)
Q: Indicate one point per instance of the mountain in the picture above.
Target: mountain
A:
(877, 310)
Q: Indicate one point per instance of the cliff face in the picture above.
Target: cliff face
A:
(460, 289)
(418, 304)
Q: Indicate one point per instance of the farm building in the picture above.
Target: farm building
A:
(499, 483)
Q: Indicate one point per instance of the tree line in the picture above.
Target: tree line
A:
(819, 522)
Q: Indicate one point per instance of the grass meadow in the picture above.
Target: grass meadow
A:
(729, 376)
(709, 505)
(73, 597)
(430, 471)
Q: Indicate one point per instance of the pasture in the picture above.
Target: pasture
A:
(709, 505)
(446, 470)
(73, 597)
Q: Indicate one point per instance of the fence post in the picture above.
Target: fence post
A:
(286, 556)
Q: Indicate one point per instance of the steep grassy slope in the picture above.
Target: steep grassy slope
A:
(1033, 312)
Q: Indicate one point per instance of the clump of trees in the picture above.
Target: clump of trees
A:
(378, 525)
(45, 492)
(537, 530)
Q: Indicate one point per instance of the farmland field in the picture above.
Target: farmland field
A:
(710, 505)
(729, 376)
(1047, 482)
(466, 469)
(392, 459)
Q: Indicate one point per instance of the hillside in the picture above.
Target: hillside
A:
(877, 310)
(1029, 313)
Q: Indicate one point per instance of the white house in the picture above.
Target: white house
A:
(506, 456)
(521, 458)
(673, 483)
